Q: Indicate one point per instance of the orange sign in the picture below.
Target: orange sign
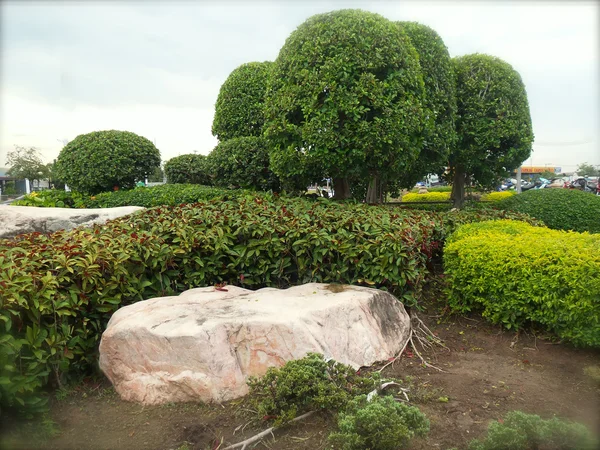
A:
(534, 169)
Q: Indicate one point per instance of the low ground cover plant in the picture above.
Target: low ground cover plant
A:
(58, 291)
(522, 431)
(560, 209)
(516, 274)
(379, 424)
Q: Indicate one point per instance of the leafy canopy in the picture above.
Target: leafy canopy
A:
(26, 163)
(242, 163)
(493, 123)
(98, 161)
(440, 101)
(239, 107)
(189, 168)
(345, 99)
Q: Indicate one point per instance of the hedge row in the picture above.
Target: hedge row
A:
(427, 197)
(560, 209)
(166, 194)
(516, 274)
(58, 291)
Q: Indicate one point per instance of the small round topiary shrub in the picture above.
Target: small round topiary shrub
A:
(186, 169)
(379, 424)
(242, 162)
(560, 209)
(102, 160)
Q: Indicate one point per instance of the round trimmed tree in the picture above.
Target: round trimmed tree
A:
(102, 160)
(189, 168)
(345, 100)
(440, 101)
(242, 162)
(239, 107)
(493, 123)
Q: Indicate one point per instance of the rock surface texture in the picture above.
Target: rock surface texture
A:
(203, 344)
(16, 220)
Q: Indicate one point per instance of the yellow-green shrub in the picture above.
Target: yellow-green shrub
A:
(517, 273)
(497, 196)
(428, 197)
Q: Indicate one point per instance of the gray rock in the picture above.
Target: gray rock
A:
(15, 220)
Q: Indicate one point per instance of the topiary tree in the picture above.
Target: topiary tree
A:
(239, 107)
(345, 100)
(242, 162)
(189, 168)
(440, 101)
(493, 123)
(98, 161)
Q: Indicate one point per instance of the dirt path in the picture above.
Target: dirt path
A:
(487, 376)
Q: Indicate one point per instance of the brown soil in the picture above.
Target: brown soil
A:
(489, 371)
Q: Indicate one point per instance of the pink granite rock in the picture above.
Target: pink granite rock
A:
(203, 344)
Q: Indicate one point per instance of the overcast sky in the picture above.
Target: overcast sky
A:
(155, 68)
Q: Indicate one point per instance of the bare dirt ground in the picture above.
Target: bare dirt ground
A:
(489, 371)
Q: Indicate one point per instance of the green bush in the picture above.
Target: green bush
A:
(58, 291)
(307, 384)
(521, 431)
(560, 209)
(186, 169)
(242, 163)
(428, 197)
(98, 161)
(239, 107)
(517, 274)
(497, 196)
(50, 199)
(379, 424)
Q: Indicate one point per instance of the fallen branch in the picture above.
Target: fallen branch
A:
(257, 437)
(420, 332)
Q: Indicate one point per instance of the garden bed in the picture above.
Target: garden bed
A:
(490, 372)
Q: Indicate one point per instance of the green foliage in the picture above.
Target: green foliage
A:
(240, 104)
(190, 168)
(493, 121)
(522, 431)
(345, 100)
(242, 163)
(427, 197)
(98, 161)
(50, 199)
(497, 196)
(58, 291)
(379, 424)
(587, 170)
(440, 101)
(517, 274)
(168, 194)
(26, 163)
(560, 209)
(307, 384)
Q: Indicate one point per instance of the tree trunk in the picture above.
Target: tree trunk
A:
(458, 188)
(374, 191)
(341, 189)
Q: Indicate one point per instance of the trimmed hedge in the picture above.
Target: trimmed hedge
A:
(190, 168)
(166, 194)
(428, 197)
(516, 273)
(497, 196)
(58, 291)
(560, 209)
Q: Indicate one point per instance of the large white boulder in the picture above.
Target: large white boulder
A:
(203, 344)
(16, 220)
